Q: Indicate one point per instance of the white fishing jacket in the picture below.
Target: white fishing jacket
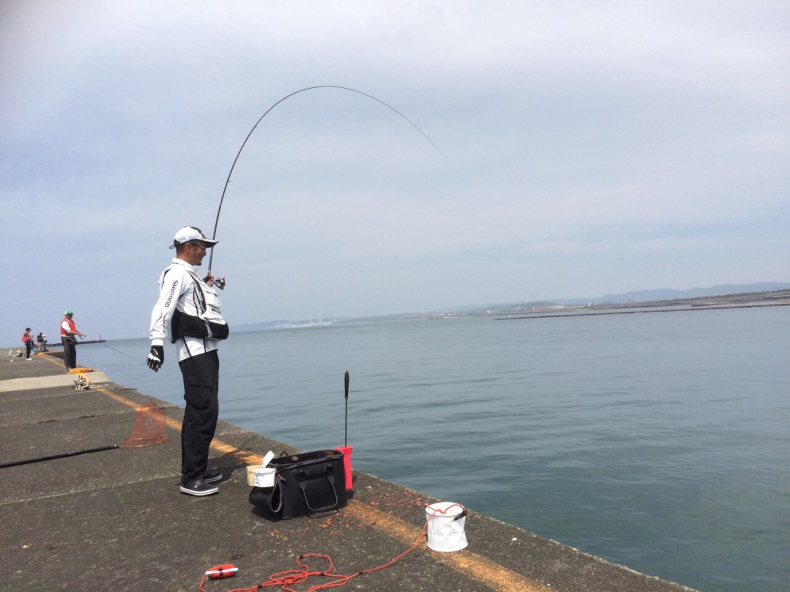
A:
(179, 290)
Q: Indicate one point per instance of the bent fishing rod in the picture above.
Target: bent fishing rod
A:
(235, 160)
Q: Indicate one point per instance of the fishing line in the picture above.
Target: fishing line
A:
(124, 354)
(359, 92)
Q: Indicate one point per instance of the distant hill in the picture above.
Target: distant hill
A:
(652, 295)
(285, 324)
(624, 298)
(510, 307)
(261, 326)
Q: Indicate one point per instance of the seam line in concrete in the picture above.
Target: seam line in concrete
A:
(465, 562)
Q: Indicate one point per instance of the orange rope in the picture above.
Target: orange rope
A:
(290, 577)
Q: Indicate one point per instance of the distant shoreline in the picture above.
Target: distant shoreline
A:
(548, 310)
(622, 312)
(551, 310)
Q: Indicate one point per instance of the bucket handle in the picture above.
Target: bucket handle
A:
(437, 511)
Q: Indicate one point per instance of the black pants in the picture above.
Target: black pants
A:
(28, 347)
(201, 389)
(69, 352)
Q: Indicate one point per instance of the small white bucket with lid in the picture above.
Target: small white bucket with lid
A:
(261, 475)
(446, 526)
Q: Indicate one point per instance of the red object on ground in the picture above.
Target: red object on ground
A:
(346, 450)
(226, 570)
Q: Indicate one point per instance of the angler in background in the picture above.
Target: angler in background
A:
(188, 309)
(27, 338)
(42, 342)
(67, 332)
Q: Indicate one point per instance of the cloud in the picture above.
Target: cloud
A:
(588, 146)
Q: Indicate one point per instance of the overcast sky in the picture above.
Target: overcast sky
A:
(591, 147)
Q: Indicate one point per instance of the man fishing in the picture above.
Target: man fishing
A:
(188, 309)
(67, 332)
(27, 339)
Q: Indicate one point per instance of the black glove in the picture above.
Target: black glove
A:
(156, 358)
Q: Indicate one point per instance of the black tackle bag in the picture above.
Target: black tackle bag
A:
(304, 484)
(184, 325)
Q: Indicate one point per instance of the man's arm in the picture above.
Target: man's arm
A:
(172, 288)
(67, 328)
(173, 285)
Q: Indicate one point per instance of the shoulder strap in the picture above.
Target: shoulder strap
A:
(198, 282)
(195, 278)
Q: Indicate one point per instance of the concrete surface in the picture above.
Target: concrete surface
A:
(116, 520)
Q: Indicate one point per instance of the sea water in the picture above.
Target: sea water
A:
(658, 441)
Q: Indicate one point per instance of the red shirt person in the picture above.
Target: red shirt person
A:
(27, 338)
(67, 332)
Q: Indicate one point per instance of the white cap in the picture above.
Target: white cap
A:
(190, 233)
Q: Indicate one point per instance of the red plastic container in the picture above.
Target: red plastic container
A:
(346, 450)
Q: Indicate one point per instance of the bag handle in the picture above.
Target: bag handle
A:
(301, 477)
(277, 492)
(269, 500)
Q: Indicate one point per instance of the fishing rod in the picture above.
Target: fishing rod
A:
(359, 92)
(149, 428)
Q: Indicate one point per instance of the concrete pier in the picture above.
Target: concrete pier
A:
(116, 520)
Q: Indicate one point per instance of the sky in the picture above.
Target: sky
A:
(586, 148)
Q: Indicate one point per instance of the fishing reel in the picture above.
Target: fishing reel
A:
(218, 281)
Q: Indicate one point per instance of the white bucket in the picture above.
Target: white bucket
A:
(446, 528)
(260, 476)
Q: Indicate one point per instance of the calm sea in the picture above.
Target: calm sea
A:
(658, 441)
